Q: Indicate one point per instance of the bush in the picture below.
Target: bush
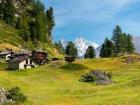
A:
(87, 78)
(16, 95)
(70, 59)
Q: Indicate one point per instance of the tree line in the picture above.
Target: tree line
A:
(30, 17)
(119, 44)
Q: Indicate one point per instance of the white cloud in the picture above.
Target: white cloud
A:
(71, 11)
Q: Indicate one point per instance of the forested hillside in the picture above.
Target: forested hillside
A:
(26, 24)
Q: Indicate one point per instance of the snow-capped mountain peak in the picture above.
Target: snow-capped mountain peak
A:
(81, 45)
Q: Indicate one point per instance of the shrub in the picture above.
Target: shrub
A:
(16, 95)
(87, 78)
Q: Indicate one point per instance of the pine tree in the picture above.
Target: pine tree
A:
(24, 27)
(33, 31)
(2, 7)
(9, 12)
(71, 50)
(117, 32)
(130, 45)
(41, 27)
(107, 49)
(122, 41)
(90, 52)
(50, 22)
(102, 51)
(19, 23)
(38, 25)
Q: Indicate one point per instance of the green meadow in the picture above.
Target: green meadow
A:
(58, 83)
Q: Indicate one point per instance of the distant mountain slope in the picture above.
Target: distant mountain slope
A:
(81, 45)
(97, 50)
(136, 41)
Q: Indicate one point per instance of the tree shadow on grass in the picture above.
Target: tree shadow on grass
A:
(73, 66)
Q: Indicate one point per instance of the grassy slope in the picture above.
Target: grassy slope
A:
(9, 38)
(48, 85)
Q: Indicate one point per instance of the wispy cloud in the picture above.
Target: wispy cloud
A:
(98, 14)
(88, 10)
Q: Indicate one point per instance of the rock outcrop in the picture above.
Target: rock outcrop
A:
(101, 77)
(98, 77)
(3, 98)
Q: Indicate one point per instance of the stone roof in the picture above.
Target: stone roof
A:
(18, 59)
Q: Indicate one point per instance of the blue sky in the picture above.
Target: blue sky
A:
(94, 19)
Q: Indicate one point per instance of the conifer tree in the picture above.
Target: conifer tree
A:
(122, 41)
(130, 45)
(38, 23)
(41, 27)
(102, 51)
(2, 7)
(117, 32)
(71, 50)
(19, 23)
(9, 12)
(24, 27)
(90, 52)
(107, 49)
(50, 22)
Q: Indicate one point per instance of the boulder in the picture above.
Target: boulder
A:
(3, 98)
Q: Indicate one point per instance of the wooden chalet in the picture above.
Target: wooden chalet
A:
(40, 57)
(21, 62)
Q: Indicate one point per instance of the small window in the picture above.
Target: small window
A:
(26, 61)
(31, 61)
(25, 66)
